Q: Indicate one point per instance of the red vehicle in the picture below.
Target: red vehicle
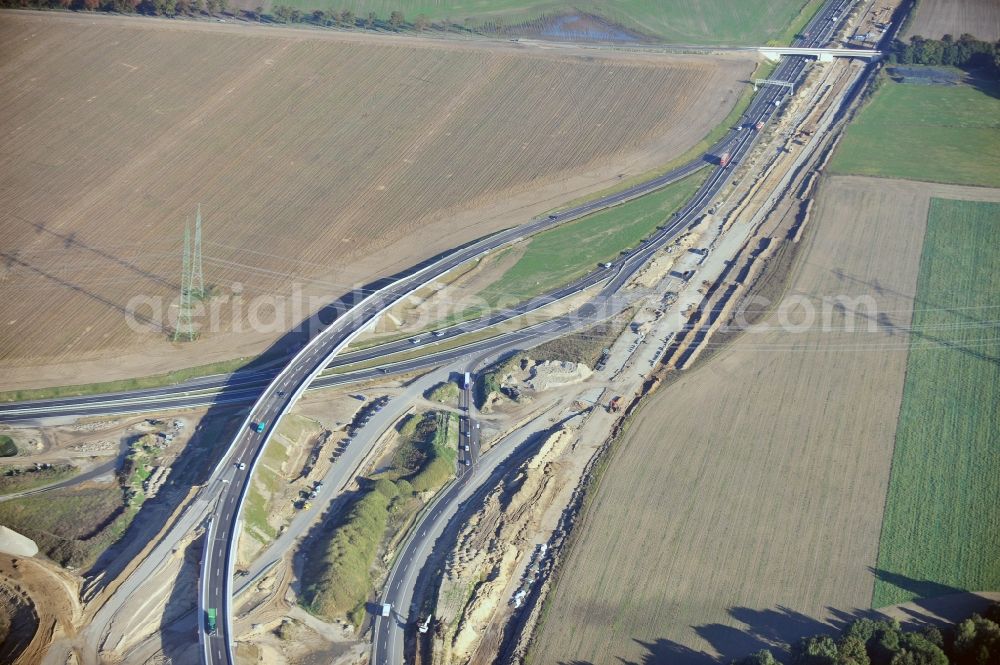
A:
(724, 159)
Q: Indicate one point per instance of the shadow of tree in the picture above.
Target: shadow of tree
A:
(778, 628)
(664, 652)
(920, 588)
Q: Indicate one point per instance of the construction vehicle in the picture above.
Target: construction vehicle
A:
(210, 621)
(724, 159)
(615, 405)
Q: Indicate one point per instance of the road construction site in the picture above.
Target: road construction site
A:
(706, 275)
(564, 412)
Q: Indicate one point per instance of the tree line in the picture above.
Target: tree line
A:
(966, 52)
(974, 641)
(150, 7)
(344, 18)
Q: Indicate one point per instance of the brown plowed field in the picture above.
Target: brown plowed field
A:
(936, 18)
(746, 499)
(319, 158)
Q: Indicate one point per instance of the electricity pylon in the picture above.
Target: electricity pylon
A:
(197, 277)
(185, 324)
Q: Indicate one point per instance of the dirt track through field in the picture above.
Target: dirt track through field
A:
(936, 18)
(318, 158)
(743, 508)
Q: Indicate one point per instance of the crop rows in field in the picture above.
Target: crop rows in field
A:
(936, 18)
(743, 506)
(315, 159)
(942, 522)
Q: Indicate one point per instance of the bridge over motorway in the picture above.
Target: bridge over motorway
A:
(823, 54)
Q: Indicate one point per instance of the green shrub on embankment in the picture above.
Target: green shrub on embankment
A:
(440, 452)
(341, 580)
(7, 446)
(338, 579)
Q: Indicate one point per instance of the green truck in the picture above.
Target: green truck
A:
(210, 623)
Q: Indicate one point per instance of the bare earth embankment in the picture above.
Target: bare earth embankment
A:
(759, 517)
(319, 158)
(936, 18)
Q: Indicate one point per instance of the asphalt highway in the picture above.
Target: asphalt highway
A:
(245, 387)
(281, 390)
(388, 634)
(388, 638)
(209, 390)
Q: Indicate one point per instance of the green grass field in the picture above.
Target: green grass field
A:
(941, 529)
(676, 21)
(558, 256)
(947, 134)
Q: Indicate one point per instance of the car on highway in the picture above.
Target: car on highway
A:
(386, 609)
(241, 465)
(260, 426)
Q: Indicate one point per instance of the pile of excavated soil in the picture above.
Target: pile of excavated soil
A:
(18, 621)
(555, 374)
(39, 603)
(480, 567)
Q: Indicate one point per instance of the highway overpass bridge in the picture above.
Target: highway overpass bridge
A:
(822, 54)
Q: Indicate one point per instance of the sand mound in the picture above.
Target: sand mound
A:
(554, 374)
(18, 622)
